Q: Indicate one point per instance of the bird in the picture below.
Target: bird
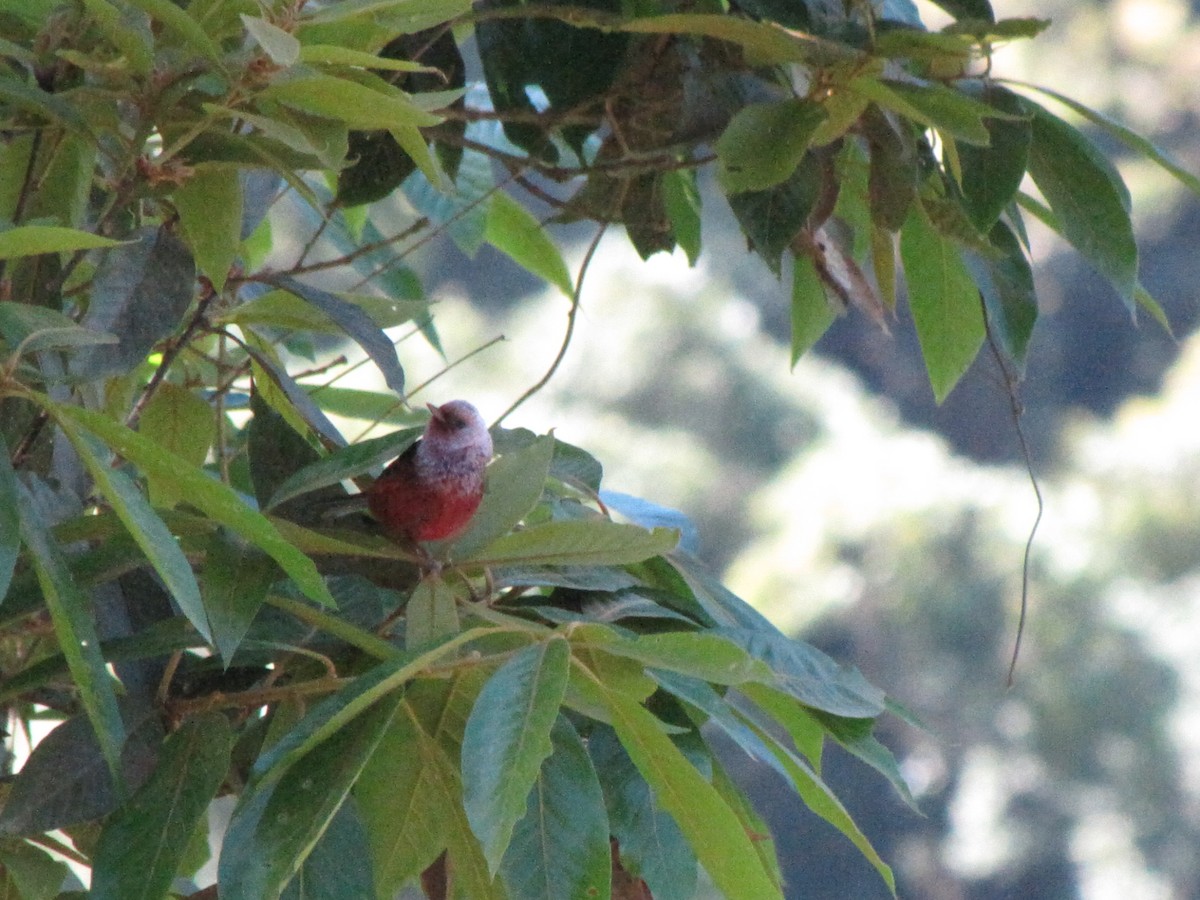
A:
(431, 491)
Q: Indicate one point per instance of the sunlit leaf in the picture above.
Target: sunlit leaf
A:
(212, 497)
(507, 736)
(764, 144)
(944, 301)
(210, 207)
(31, 240)
(596, 542)
(514, 231)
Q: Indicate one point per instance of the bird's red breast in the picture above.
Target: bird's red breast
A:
(432, 490)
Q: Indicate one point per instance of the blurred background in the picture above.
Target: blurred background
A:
(840, 501)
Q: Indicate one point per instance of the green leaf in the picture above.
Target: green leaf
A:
(402, 796)
(280, 45)
(698, 654)
(181, 422)
(142, 845)
(893, 174)
(650, 843)
(431, 613)
(343, 463)
(514, 231)
(33, 240)
(944, 301)
(348, 101)
(711, 827)
(210, 207)
(29, 873)
(140, 293)
(560, 846)
(143, 525)
(506, 738)
(681, 198)
(176, 21)
(515, 483)
(237, 576)
(10, 522)
(812, 314)
(946, 109)
(991, 175)
(1006, 282)
(809, 675)
(580, 543)
(1127, 136)
(213, 498)
(772, 218)
(1088, 197)
(277, 823)
(29, 329)
(764, 143)
(339, 865)
(356, 324)
(69, 613)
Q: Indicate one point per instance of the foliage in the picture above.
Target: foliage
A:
(522, 717)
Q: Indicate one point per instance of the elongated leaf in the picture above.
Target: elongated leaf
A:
(28, 329)
(29, 873)
(280, 45)
(507, 737)
(210, 207)
(237, 576)
(764, 143)
(177, 22)
(560, 846)
(357, 325)
(143, 844)
(216, 500)
(32, 240)
(1006, 282)
(346, 462)
(73, 628)
(711, 827)
(339, 865)
(1088, 197)
(513, 230)
(277, 823)
(681, 199)
(1125, 135)
(348, 101)
(182, 422)
(332, 714)
(403, 795)
(809, 675)
(594, 542)
(991, 175)
(772, 218)
(144, 526)
(697, 654)
(812, 314)
(431, 613)
(140, 293)
(10, 523)
(944, 301)
(650, 843)
(514, 486)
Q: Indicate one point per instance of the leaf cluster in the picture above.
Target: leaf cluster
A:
(525, 711)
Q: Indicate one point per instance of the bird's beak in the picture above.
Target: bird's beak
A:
(434, 410)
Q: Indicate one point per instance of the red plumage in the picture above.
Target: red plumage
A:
(431, 491)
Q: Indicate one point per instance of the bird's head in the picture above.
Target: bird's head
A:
(457, 425)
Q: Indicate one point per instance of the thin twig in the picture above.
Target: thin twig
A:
(1010, 384)
(571, 316)
(169, 355)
